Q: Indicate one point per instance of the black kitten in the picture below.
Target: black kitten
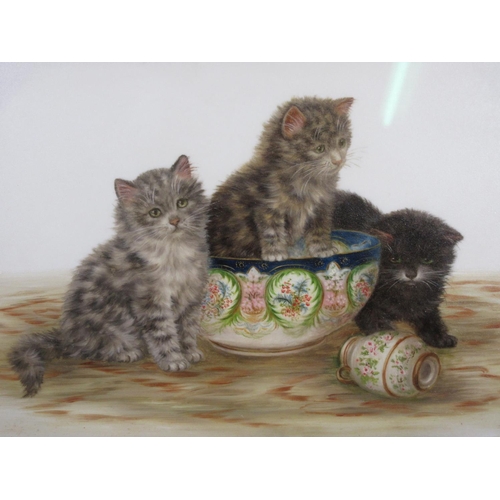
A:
(417, 254)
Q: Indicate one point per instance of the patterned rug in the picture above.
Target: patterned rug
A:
(229, 395)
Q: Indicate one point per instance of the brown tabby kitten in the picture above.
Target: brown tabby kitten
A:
(286, 191)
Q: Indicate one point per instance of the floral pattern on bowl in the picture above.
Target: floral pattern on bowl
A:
(360, 283)
(253, 304)
(334, 282)
(222, 298)
(294, 297)
(269, 308)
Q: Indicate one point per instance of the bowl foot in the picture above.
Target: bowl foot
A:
(266, 352)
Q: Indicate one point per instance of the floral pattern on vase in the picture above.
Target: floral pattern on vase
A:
(400, 364)
(294, 297)
(367, 362)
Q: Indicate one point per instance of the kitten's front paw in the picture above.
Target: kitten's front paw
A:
(129, 356)
(444, 341)
(322, 249)
(274, 256)
(377, 327)
(326, 253)
(194, 355)
(176, 364)
(369, 324)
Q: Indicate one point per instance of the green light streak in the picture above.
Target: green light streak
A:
(397, 83)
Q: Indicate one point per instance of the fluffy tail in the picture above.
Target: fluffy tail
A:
(29, 356)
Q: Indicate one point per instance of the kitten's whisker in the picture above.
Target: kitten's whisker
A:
(304, 166)
(390, 283)
(198, 217)
(349, 165)
(198, 210)
(435, 283)
(397, 281)
(308, 162)
(353, 161)
(307, 174)
(425, 283)
(311, 174)
(437, 273)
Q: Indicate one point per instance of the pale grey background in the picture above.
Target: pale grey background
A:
(68, 130)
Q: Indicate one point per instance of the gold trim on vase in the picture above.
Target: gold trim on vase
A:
(345, 350)
(344, 379)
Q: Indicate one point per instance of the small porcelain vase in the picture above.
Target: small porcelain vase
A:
(389, 363)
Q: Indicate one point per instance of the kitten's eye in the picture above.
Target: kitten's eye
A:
(182, 203)
(427, 261)
(342, 142)
(320, 149)
(155, 212)
(395, 260)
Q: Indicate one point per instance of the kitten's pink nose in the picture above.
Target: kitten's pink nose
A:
(336, 158)
(174, 221)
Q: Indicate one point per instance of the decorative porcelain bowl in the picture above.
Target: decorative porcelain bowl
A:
(259, 308)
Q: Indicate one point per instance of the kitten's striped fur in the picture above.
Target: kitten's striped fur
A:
(139, 293)
(286, 191)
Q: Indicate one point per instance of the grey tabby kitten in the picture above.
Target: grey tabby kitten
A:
(141, 291)
(286, 191)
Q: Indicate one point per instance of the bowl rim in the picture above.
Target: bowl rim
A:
(376, 244)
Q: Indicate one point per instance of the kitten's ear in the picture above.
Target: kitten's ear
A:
(382, 236)
(293, 122)
(453, 236)
(343, 106)
(125, 190)
(182, 168)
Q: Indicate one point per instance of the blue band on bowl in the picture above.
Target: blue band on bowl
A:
(363, 248)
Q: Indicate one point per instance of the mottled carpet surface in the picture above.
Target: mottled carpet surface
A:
(229, 395)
